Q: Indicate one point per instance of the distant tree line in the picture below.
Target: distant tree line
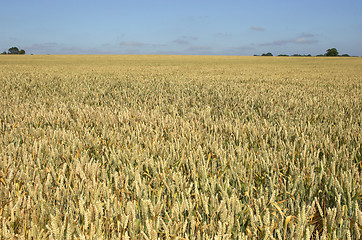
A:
(332, 52)
(14, 50)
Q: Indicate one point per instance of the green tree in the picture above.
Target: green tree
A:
(22, 51)
(13, 50)
(267, 54)
(3, 53)
(331, 52)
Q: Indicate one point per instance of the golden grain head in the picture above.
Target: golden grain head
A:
(180, 147)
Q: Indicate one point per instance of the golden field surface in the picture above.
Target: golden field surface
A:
(180, 147)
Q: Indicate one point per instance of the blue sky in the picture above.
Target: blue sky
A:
(196, 27)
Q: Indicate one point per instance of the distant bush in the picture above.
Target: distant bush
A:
(15, 50)
(332, 52)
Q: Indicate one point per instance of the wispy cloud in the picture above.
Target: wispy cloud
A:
(158, 45)
(42, 46)
(239, 50)
(305, 38)
(223, 35)
(199, 50)
(276, 43)
(80, 50)
(185, 40)
(131, 44)
(242, 48)
(135, 46)
(61, 48)
(304, 41)
(194, 18)
(256, 28)
(307, 35)
(181, 41)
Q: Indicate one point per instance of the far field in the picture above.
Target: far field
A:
(180, 147)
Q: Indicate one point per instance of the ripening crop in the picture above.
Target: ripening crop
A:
(180, 147)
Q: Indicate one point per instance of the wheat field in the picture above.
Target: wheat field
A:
(180, 147)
